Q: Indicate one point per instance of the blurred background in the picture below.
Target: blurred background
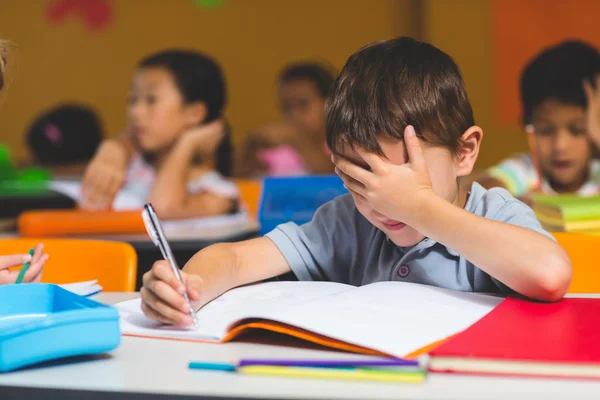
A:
(85, 51)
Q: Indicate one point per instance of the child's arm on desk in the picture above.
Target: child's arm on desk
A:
(105, 174)
(524, 260)
(170, 196)
(210, 273)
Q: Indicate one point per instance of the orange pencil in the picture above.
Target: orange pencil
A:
(529, 130)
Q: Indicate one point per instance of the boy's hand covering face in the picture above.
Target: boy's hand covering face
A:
(394, 191)
(593, 110)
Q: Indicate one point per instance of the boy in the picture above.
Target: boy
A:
(401, 127)
(556, 110)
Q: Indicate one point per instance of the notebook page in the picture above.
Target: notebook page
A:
(396, 318)
(241, 303)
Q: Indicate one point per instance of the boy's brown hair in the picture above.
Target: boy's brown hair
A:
(390, 84)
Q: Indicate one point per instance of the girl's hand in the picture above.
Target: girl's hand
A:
(34, 272)
(104, 176)
(205, 139)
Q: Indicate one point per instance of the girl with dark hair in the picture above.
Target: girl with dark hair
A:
(177, 146)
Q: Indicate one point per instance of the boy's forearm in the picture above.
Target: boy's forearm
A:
(228, 265)
(526, 261)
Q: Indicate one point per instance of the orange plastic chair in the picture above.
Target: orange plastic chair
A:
(584, 252)
(113, 264)
(250, 191)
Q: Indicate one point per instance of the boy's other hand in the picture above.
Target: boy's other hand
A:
(592, 93)
(395, 191)
(162, 295)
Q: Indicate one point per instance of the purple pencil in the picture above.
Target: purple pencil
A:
(327, 363)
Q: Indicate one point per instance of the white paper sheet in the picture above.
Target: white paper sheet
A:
(237, 304)
(393, 317)
(86, 288)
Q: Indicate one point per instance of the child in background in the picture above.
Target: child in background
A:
(557, 113)
(181, 149)
(402, 130)
(297, 146)
(34, 273)
(65, 138)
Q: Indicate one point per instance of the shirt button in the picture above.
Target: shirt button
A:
(403, 271)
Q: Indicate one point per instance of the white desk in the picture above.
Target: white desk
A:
(160, 367)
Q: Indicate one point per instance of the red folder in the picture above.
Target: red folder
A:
(527, 338)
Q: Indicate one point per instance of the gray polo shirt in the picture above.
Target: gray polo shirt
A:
(340, 245)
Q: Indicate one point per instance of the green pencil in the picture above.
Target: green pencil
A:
(24, 269)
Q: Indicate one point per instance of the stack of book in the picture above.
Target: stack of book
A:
(568, 213)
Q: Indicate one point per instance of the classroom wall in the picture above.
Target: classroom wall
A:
(68, 61)
(462, 29)
(492, 40)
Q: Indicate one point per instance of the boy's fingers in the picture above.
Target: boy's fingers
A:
(358, 198)
(374, 161)
(154, 315)
(413, 147)
(351, 169)
(168, 295)
(14, 260)
(350, 183)
(162, 310)
(162, 271)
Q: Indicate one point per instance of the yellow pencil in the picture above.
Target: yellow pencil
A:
(333, 373)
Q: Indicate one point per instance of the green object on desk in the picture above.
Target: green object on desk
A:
(24, 269)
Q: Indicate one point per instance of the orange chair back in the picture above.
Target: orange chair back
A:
(113, 264)
(250, 194)
(584, 253)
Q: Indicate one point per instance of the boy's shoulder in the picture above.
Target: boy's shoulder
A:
(497, 203)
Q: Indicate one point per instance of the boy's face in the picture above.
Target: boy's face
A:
(443, 173)
(563, 144)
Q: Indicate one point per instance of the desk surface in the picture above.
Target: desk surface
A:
(160, 367)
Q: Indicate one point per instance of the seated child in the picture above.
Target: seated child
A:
(65, 138)
(177, 149)
(34, 272)
(557, 112)
(297, 146)
(401, 128)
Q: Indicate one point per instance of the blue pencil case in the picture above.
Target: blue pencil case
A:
(42, 322)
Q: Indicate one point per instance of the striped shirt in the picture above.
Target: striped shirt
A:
(520, 176)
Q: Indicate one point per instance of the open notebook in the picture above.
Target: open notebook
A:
(384, 318)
